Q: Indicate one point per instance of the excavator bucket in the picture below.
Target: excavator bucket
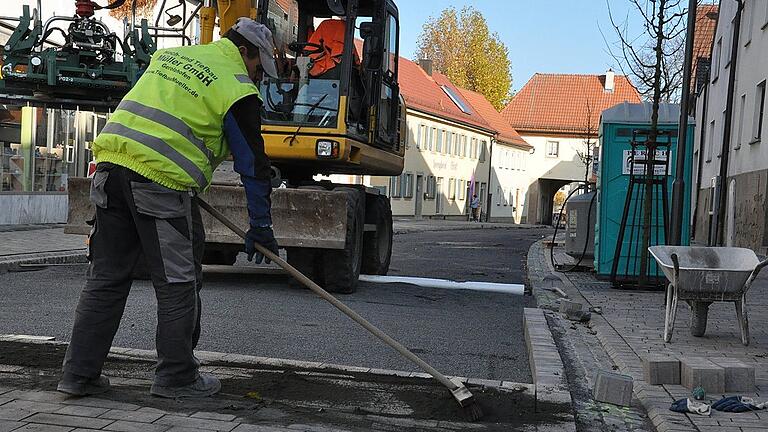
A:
(304, 218)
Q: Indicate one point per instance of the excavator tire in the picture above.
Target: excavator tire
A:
(377, 245)
(342, 267)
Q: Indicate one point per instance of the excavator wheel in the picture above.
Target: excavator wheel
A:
(377, 245)
(342, 267)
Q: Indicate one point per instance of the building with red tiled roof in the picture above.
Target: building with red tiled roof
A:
(452, 134)
(561, 103)
(706, 24)
(559, 114)
(507, 171)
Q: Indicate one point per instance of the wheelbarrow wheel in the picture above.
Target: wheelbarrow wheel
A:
(699, 311)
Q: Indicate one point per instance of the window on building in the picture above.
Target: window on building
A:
(431, 140)
(448, 143)
(452, 188)
(483, 145)
(740, 129)
(511, 198)
(749, 10)
(407, 185)
(716, 61)
(711, 144)
(765, 19)
(439, 145)
(394, 187)
(472, 148)
(498, 195)
(757, 127)
(553, 148)
(419, 137)
(431, 187)
(463, 146)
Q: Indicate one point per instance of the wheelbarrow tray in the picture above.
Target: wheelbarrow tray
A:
(707, 272)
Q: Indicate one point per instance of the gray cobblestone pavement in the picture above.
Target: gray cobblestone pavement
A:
(630, 327)
(583, 355)
(34, 240)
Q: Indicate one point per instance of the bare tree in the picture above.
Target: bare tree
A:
(586, 152)
(652, 59)
(653, 55)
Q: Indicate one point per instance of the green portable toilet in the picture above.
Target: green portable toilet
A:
(617, 125)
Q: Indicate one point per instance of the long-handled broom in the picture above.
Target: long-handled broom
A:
(459, 391)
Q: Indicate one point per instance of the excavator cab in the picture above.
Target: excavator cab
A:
(336, 107)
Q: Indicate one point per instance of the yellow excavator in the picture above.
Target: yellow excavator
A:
(334, 112)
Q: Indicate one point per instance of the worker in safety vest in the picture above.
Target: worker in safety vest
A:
(191, 108)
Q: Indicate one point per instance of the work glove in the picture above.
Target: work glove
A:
(263, 236)
(690, 406)
(738, 404)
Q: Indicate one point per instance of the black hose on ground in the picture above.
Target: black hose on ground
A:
(557, 226)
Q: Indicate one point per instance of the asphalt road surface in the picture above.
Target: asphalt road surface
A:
(466, 333)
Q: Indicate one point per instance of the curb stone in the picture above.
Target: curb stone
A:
(226, 361)
(655, 399)
(12, 262)
(547, 368)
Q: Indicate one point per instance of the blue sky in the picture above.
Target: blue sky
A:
(553, 36)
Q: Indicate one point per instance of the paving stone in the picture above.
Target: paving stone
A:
(32, 406)
(700, 372)
(213, 416)
(43, 428)
(198, 423)
(14, 414)
(259, 428)
(7, 426)
(82, 411)
(38, 396)
(569, 306)
(613, 388)
(129, 426)
(661, 369)
(102, 403)
(66, 420)
(136, 416)
(739, 376)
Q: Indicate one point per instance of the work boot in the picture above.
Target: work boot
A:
(81, 386)
(205, 385)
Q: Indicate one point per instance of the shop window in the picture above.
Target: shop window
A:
(452, 188)
(483, 146)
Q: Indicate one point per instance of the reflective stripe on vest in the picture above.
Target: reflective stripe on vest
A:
(160, 146)
(174, 123)
(245, 79)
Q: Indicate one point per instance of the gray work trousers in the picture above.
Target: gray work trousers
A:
(138, 218)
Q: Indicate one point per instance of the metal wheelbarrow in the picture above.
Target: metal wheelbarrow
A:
(702, 275)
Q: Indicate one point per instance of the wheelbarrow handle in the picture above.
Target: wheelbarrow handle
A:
(676, 266)
(754, 274)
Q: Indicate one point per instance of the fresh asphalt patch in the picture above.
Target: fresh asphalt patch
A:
(464, 333)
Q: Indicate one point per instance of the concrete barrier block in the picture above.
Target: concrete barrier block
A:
(567, 306)
(613, 388)
(739, 376)
(701, 372)
(661, 369)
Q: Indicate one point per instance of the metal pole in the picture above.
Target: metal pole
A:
(678, 186)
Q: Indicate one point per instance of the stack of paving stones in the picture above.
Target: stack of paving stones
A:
(716, 375)
(630, 328)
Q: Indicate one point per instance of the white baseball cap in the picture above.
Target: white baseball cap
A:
(259, 35)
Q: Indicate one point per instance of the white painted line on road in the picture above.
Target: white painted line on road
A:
(514, 289)
(26, 337)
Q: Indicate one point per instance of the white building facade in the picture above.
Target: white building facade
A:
(741, 221)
